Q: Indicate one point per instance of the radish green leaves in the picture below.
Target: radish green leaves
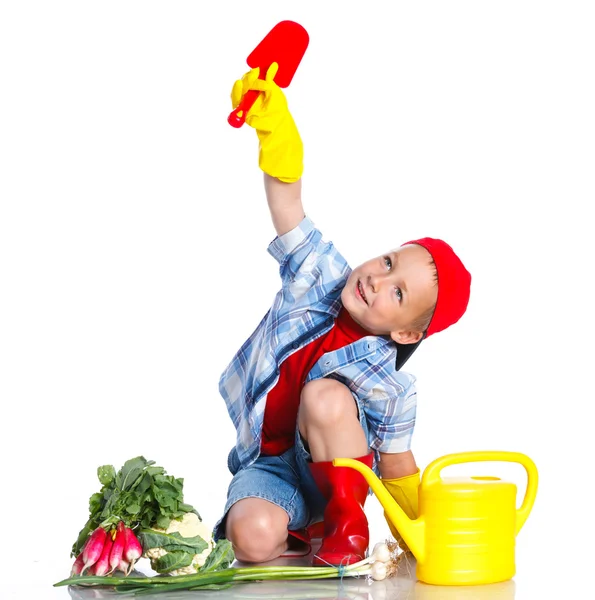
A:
(139, 494)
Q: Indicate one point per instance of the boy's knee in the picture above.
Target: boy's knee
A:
(255, 537)
(326, 402)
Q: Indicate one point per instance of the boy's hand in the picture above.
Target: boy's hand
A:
(281, 150)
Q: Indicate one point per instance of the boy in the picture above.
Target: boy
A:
(320, 376)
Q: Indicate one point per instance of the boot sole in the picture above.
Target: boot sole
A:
(336, 560)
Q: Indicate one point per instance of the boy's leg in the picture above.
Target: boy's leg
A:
(264, 501)
(257, 530)
(329, 422)
(330, 426)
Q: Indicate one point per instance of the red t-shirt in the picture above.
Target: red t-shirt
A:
(280, 414)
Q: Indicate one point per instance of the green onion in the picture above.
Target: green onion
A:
(384, 556)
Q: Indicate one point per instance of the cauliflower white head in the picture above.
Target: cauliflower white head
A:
(189, 526)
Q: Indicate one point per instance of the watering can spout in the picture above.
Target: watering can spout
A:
(411, 531)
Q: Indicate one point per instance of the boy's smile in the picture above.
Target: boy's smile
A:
(387, 294)
(360, 291)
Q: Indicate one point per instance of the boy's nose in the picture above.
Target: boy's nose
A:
(375, 282)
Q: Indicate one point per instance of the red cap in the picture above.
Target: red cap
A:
(454, 284)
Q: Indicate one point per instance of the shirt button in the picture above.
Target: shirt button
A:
(295, 345)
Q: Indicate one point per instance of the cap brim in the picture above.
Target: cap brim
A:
(404, 352)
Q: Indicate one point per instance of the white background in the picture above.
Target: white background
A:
(133, 235)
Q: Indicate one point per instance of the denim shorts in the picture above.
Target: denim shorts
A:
(284, 480)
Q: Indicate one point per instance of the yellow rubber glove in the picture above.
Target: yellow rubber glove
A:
(404, 491)
(281, 153)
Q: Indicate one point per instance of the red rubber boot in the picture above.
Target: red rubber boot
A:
(305, 536)
(300, 544)
(346, 534)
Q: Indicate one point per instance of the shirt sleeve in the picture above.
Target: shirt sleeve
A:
(391, 415)
(283, 245)
(300, 253)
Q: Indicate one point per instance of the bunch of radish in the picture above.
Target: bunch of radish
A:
(104, 552)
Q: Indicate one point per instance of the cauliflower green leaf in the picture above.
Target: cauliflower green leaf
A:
(171, 561)
(220, 557)
(171, 542)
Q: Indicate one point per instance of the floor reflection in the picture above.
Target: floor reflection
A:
(403, 586)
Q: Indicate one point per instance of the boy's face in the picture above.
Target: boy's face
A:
(386, 294)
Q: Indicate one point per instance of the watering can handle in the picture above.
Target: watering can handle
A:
(432, 474)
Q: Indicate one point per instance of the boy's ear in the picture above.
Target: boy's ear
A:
(406, 337)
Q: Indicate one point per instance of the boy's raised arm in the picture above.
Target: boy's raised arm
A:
(281, 153)
(285, 203)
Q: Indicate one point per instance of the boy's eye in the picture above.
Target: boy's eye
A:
(399, 294)
(388, 262)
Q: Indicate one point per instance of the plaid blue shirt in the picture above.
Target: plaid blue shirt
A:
(313, 273)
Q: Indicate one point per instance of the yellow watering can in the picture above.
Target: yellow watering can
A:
(466, 529)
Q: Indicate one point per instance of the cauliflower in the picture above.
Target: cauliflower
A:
(189, 526)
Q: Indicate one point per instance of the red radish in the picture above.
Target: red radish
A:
(93, 548)
(118, 547)
(132, 548)
(123, 566)
(101, 567)
(77, 567)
